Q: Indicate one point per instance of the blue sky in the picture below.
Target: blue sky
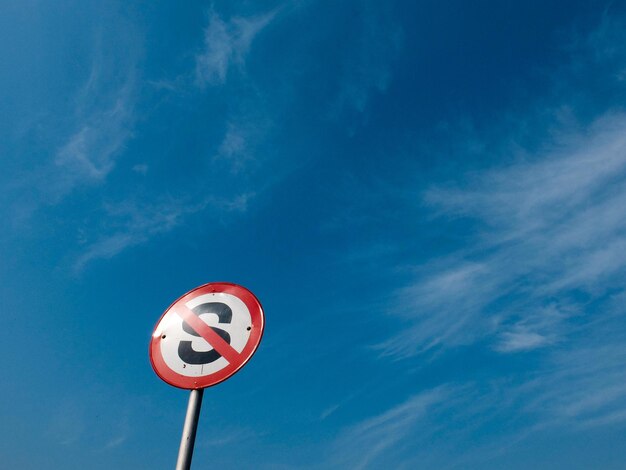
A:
(427, 197)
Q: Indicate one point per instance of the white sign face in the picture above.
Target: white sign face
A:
(207, 335)
(186, 352)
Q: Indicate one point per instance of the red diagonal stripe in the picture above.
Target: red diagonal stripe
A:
(226, 350)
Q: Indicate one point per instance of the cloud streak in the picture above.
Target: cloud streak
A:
(369, 71)
(131, 223)
(360, 445)
(226, 44)
(549, 228)
(244, 133)
(92, 131)
(90, 153)
(538, 274)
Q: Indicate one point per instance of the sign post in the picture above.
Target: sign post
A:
(202, 339)
(189, 430)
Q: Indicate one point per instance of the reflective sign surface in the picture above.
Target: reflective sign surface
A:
(206, 335)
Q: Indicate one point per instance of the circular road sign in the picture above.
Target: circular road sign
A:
(206, 335)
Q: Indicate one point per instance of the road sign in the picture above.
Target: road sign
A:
(206, 335)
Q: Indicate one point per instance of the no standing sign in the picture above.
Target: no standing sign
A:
(202, 339)
(206, 335)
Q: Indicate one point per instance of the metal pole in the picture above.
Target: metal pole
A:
(189, 430)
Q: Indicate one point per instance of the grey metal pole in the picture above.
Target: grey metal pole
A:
(189, 430)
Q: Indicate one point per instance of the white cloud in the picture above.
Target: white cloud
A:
(243, 135)
(67, 423)
(130, 223)
(328, 412)
(541, 268)
(520, 341)
(121, 435)
(141, 168)
(550, 226)
(359, 446)
(102, 116)
(444, 305)
(535, 286)
(89, 154)
(584, 386)
(92, 132)
(534, 329)
(228, 436)
(368, 67)
(226, 43)
(467, 425)
(235, 148)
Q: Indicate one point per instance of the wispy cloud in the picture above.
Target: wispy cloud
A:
(228, 436)
(521, 340)
(102, 121)
(572, 391)
(582, 387)
(549, 227)
(103, 116)
(226, 44)
(328, 412)
(141, 168)
(130, 223)
(360, 445)
(89, 154)
(121, 434)
(67, 423)
(91, 134)
(368, 68)
(540, 267)
(244, 133)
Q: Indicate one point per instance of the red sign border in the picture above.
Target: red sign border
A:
(256, 333)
